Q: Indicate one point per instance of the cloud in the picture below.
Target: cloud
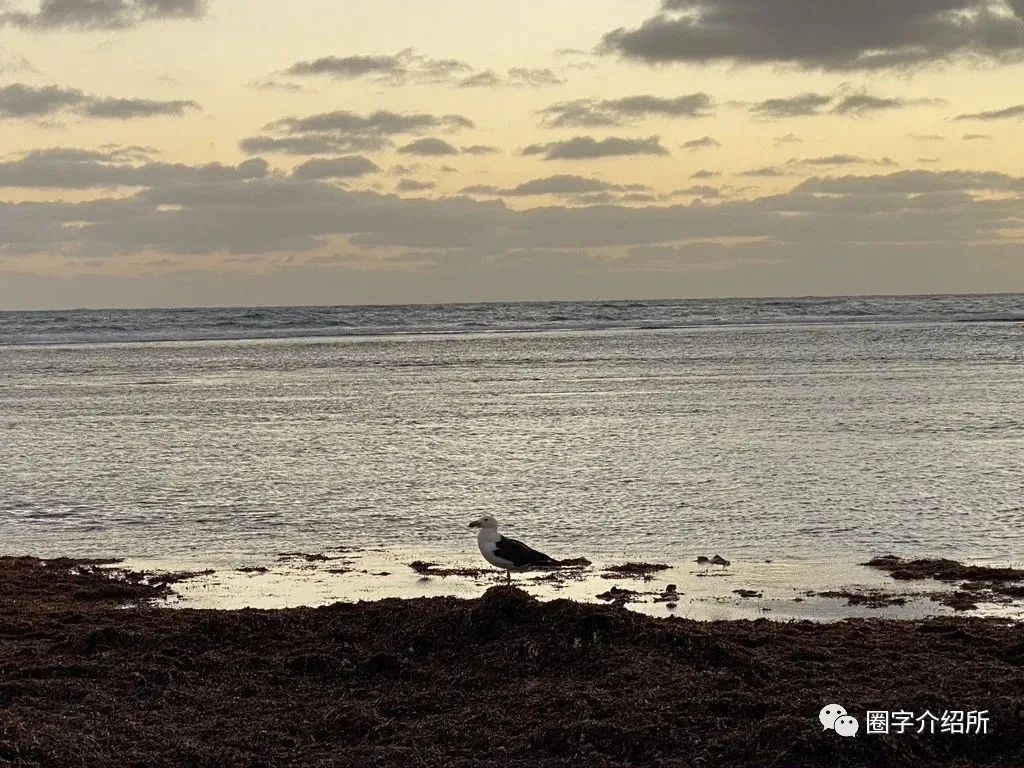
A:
(129, 152)
(766, 172)
(691, 257)
(842, 102)
(820, 218)
(625, 110)
(830, 35)
(574, 54)
(915, 182)
(480, 149)
(389, 69)
(403, 170)
(518, 77)
(705, 174)
(912, 232)
(995, 114)
(698, 268)
(534, 77)
(705, 142)
(408, 66)
(124, 109)
(381, 122)
(75, 168)
(789, 138)
(839, 159)
(587, 147)
(270, 84)
(313, 144)
(794, 106)
(479, 189)
(102, 14)
(976, 137)
(348, 66)
(345, 131)
(349, 166)
(19, 101)
(698, 190)
(926, 137)
(485, 79)
(411, 185)
(560, 185)
(605, 199)
(862, 103)
(429, 146)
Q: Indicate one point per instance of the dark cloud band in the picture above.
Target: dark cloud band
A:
(102, 14)
(837, 35)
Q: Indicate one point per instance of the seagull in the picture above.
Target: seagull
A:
(508, 554)
(719, 560)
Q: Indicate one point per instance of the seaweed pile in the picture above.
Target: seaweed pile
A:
(95, 673)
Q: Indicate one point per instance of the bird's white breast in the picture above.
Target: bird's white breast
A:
(488, 543)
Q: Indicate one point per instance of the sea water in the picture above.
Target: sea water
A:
(820, 430)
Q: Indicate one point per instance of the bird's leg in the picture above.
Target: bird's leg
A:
(508, 575)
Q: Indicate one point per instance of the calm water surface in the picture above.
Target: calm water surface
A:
(828, 429)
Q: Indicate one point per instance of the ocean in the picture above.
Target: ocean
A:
(792, 430)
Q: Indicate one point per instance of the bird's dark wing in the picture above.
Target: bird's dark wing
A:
(519, 554)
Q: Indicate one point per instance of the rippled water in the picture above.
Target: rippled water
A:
(828, 438)
(291, 322)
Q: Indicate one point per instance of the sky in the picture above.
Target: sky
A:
(250, 152)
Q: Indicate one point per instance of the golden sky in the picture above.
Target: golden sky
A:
(402, 151)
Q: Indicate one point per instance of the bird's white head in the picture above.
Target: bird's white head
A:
(486, 522)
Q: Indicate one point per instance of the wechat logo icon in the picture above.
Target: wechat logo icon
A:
(834, 718)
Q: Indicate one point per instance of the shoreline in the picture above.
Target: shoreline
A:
(498, 679)
(779, 590)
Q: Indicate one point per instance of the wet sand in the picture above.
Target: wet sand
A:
(501, 680)
(745, 589)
